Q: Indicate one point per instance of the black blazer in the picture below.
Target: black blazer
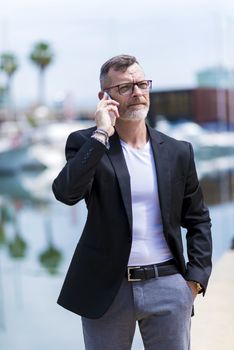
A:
(100, 176)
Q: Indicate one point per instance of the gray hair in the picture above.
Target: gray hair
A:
(118, 63)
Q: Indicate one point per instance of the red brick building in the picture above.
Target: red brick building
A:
(200, 105)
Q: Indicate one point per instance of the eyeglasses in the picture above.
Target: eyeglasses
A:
(127, 89)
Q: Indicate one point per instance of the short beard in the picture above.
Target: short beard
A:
(140, 114)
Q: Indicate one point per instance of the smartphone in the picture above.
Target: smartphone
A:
(112, 115)
(108, 96)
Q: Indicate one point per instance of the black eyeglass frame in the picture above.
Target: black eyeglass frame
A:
(149, 82)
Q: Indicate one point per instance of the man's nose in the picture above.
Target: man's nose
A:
(136, 91)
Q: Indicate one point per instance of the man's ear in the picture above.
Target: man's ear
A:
(101, 95)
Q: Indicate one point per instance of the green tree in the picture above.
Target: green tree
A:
(42, 56)
(9, 65)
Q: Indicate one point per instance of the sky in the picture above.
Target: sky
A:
(172, 40)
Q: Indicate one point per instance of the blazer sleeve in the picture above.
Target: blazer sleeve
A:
(196, 219)
(74, 181)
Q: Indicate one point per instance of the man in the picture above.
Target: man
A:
(140, 187)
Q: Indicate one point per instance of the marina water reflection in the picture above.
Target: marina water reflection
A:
(37, 239)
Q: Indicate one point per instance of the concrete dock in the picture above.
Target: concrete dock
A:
(213, 323)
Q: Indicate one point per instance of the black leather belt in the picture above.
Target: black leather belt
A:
(145, 272)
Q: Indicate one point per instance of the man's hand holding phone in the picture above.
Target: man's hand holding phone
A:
(106, 114)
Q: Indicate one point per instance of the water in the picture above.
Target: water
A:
(37, 240)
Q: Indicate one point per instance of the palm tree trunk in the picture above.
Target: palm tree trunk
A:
(41, 87)
(10, 111)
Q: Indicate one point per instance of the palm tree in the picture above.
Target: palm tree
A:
(41, 55)
(9, 65)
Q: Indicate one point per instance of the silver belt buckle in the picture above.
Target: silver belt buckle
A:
(129, 274)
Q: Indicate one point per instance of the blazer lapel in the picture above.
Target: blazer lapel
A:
(117, 159)
(162, 163)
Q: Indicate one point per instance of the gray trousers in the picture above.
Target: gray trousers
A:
(162, 307)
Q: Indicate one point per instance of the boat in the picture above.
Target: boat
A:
(38, 149)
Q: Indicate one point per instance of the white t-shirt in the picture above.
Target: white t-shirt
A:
(149, 245)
